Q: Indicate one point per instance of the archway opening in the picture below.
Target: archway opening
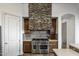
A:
(68, 30)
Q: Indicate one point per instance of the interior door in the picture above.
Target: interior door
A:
(11, 35)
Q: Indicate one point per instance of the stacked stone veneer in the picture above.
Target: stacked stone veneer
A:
(40, 16)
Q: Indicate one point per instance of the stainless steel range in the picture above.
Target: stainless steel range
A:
(40, 43)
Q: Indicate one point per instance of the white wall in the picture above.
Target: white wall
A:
(61, 9)
(77, 30)
(25, 10)
(71, 30)
(12, 8)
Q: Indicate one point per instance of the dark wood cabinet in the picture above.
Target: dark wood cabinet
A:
(27, 46)
(53, 28)
(26, 25)
(54, 25)
(53, 42)
(52, 45)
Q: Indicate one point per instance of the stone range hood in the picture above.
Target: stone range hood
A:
(40, 16)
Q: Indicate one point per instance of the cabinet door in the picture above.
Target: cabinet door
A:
(26, 47)
(26, 25)
(53, 28)
(54, 25)
(53, 45)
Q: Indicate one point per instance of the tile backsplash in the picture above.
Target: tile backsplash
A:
(39, 34)
(36, 34)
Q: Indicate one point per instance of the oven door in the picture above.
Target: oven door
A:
(43, 46)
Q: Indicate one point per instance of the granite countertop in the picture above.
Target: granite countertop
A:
(75, 45)
(27, 40)
(65, 52)
(53, 40)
